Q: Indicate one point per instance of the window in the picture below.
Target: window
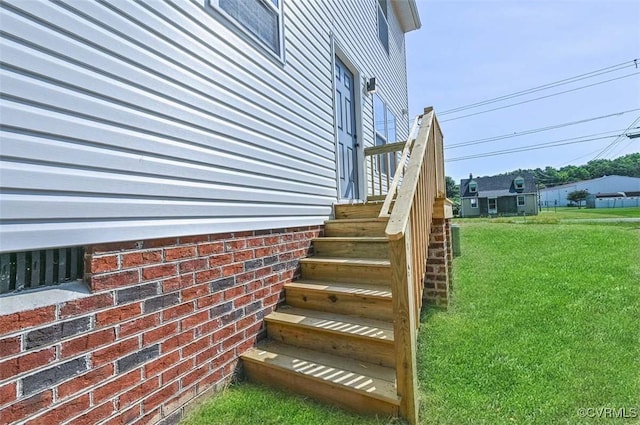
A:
(521, 201)
(383, 24)
(261, 19)
(474, 202)
(385, 126)
(35, 269)
(518, 183)
(493, 202)
(473, 186)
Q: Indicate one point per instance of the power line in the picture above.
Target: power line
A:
(528, 148)
(610, 146)
(537, 130)
(580, 77)
(541, 97)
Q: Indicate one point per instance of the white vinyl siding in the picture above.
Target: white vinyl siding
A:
(130, 121)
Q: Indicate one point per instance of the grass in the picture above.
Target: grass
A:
(580, 213)
(545, 320)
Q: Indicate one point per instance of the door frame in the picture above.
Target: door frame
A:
(495, 210)
(338, 51)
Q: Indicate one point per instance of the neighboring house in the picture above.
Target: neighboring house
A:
(557, 195)
(181, 156)
(498, 195)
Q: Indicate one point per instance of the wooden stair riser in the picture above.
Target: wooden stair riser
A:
(327, 392)
(370, 350)
(368, 210)
(361, 305)
(332, 272)
(373, 228)
(327, 247)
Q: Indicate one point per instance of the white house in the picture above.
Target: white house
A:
(557, 195)
(164, 166)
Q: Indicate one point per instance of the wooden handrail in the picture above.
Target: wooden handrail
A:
(416, 185)
(389, 147)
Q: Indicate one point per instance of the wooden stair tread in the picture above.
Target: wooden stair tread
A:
(374, 291)
(375, 239)
(366, 378)
(353, 326)
(357, 220)
(365, 262)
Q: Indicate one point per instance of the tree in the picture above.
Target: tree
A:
(453, 193)
(577, 196)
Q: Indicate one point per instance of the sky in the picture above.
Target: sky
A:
(475, 50)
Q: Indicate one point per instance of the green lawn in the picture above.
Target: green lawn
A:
(577, 213)
(545, 320)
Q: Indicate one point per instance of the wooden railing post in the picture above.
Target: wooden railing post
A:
(404, 327)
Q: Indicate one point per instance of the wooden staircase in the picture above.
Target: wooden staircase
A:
(347, 333)
(333, 340)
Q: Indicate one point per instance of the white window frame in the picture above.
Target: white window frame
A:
(524, 200)
(472, 202)
(384, 137)
(249, 36)
(385, 17)
(473, 187)
(518, 183)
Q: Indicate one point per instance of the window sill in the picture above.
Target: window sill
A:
(35, 298)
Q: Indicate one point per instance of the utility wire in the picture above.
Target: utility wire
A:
(537, 130)
(528, 148)
(610, 146)
(612, 68)
(541, 97)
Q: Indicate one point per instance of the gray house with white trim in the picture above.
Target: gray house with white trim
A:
(502, 195)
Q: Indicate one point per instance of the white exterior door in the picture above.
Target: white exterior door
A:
(345, 122)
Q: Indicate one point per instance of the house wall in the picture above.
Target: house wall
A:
(163, 324)
(557, 196)
(146, 120)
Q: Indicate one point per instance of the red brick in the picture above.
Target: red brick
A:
(255, 242)
(177, 370)
(161, 364)
(141, 258)
(93, 416)
(245, 277)
(7, 393)
(139, 325)
(209, 327)
(185, 240)
(228, 343)
(176, 341)
(27, 407)
(127, 417)
(159, 333)
(87, 342)
(26, 363)
(194, 320)
(263, 252)
(26, 319)
(88, 380)
(210, 300)
(246, 321)
(193, 376)
(63, 412)
(114, 280)
(180, 400)
(235, 245)
(118, 314)
(9, 346)
(177, 311)
(196, 264)
(232, 269)
(107, 263)
(245, 345)
(160, 243)
(210, 248)
(195, 346)
(242, 301)
(179, 253)
(85, 305)
(160, 397)
(271, 240)
(210, 380)
(119, 384)
(223, 358)
(206, 355)
(151, 417)
(208, 275)
(220, 260)
(265, 271)
(139, 392)
(233, 292)
(195, 292)
(223, 333)
(254, 329)
(220, 236)
(241, 256)
(112, 352)
(160, 271)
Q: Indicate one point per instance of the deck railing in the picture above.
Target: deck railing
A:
(418, 182)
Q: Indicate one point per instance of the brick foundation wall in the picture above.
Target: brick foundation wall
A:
(164, 324)
(437, 281)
